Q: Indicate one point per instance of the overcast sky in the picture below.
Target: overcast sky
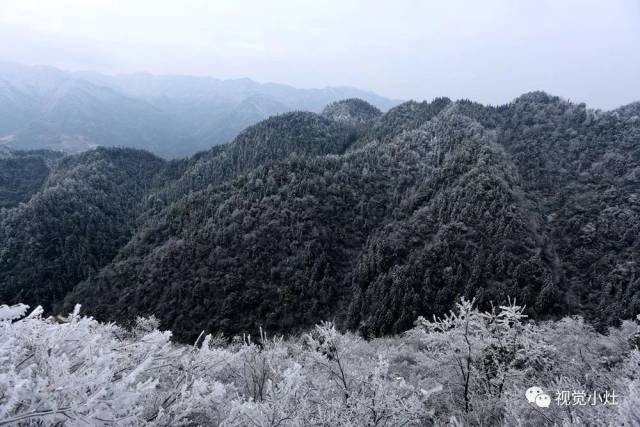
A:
(489, 51)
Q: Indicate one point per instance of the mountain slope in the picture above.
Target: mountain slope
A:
(582, 167)
(50, 109)
(23, 173)
(370, 219)
(73, 226)
(285, 244)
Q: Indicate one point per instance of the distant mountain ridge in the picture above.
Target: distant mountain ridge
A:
(172, 116)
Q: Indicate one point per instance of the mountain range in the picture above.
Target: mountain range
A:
(171, 116)
(366, 218)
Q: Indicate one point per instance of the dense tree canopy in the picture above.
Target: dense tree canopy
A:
(22, 174)
(74, 225)
(367, 219)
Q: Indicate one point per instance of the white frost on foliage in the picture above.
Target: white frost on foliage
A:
(12, 312)
(465, 368)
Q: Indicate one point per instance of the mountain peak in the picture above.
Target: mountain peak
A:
(629, 111)
(353, 111)
(538, 96)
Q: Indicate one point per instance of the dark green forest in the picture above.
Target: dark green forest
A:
(351, 215)
(22, 174)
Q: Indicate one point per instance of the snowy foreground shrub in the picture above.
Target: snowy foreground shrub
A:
(468, 368)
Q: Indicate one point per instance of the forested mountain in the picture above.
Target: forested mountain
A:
(366, 218)
(172, 116)
(22, 174)
(71, 228)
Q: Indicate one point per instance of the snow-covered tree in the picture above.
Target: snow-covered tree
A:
(466, 368)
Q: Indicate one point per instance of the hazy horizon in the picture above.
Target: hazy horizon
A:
(584, 51)
(80, 72)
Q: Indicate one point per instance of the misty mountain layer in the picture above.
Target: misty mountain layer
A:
(366, 218)
(171, 116)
